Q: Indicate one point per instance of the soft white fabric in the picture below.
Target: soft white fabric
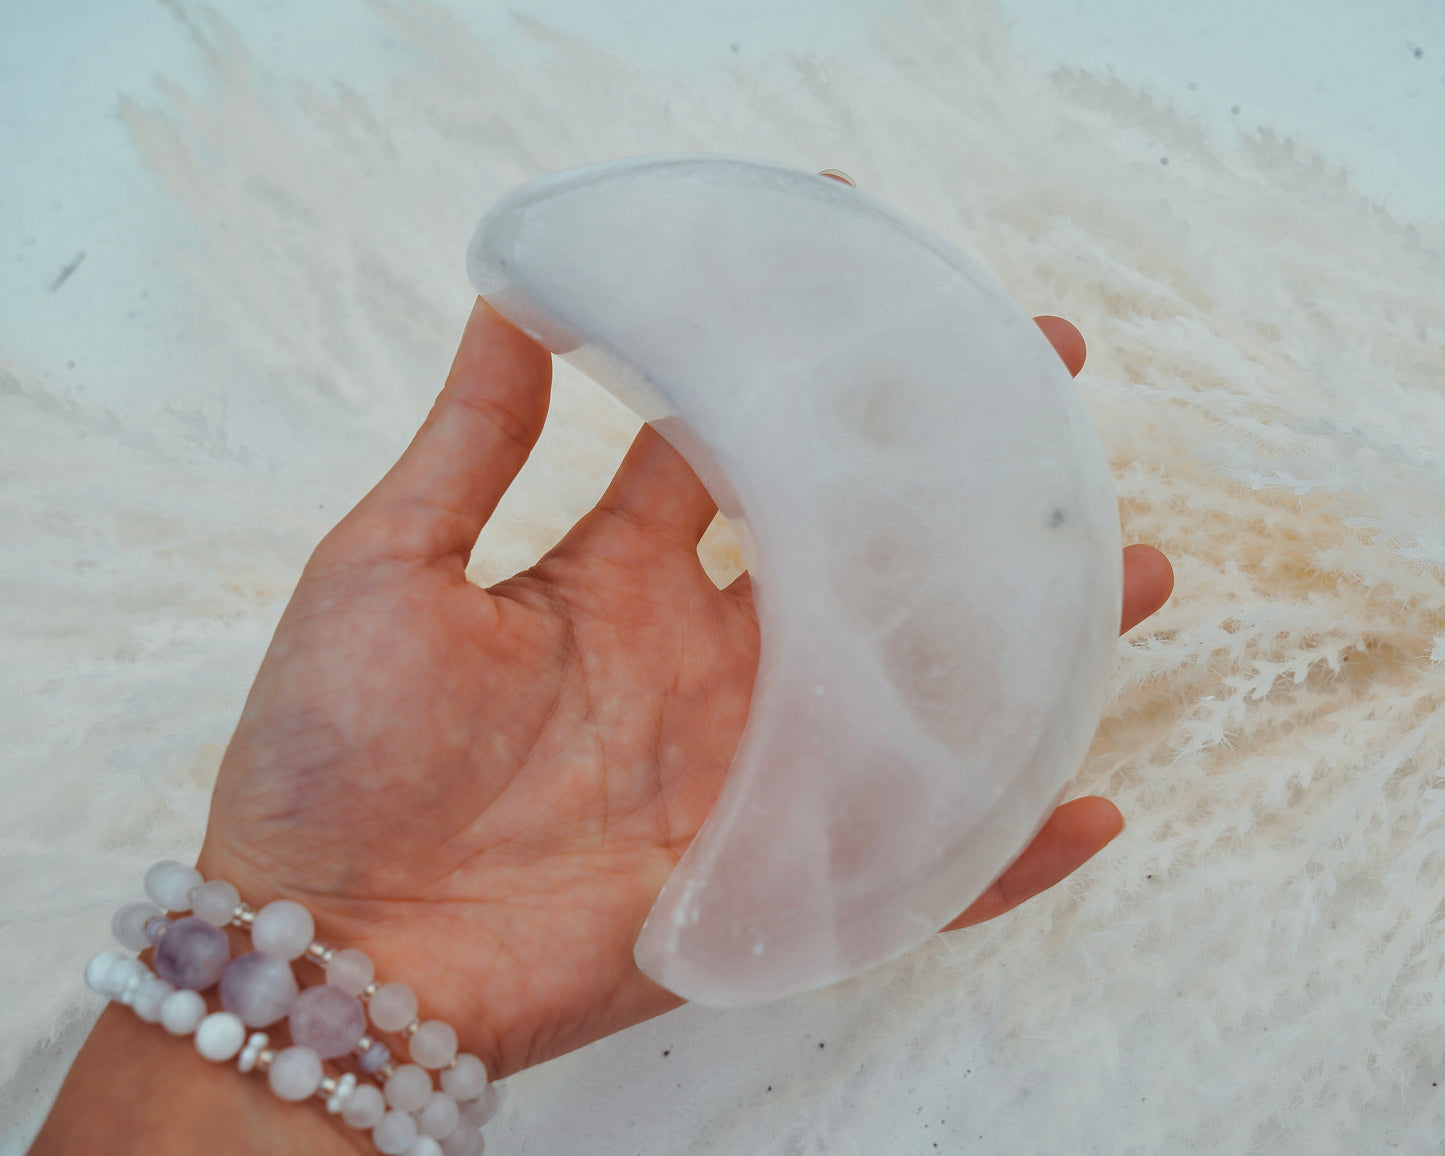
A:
(1255, 965)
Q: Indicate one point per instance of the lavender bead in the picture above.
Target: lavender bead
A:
(129, 924)
(438, 1116)
(467, 1080)
(327, 1020)
(295, 1073)
(170, 884)
(215, 901)
(366, 1106)
(393, 1007)
(257, 987)
(409, 1088)
(394, 1133)
(374, 1058)
(192, 954)
(350, 970)
(283, 929)
(434, 1045)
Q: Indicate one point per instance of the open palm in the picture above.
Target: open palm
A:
(485, 789)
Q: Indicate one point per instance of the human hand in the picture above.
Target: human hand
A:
(485, 789)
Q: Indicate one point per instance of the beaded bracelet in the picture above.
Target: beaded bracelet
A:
(406, 1114)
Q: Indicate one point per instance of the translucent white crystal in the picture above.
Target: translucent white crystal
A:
(931, 529)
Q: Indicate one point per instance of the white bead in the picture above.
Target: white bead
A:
(467, 1080)
(129, 924)
(477, 1112)
(392, 1007)
(345, 1089)
(284, 929)
(295, 1073)
(394, 1133)
(220, 1036)
(98, 972)
(215, 902)
(424, 1146)
(366, 1106)
(125, 980)
(464, 1141)
(408, 1088)
(350, 970)
(148, 1000)
(439, 1116)
(182, 1012)
(170, 885)
(434, 1045)
(252, 1051)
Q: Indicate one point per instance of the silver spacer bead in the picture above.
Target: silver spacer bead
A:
(383, 1074)
(244, 916)
(449, 1066)
(370, 990)
(263, 1061)
(327, 1088)
(411, 1029)
(319, 953)
(362, 1045)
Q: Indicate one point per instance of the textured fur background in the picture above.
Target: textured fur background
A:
(1256, 965)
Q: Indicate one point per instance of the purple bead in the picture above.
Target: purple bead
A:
(259, 988)
(374, 1058)
(156, 926)
(327, 1020)
(192, 954)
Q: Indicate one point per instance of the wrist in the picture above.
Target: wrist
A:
(136, 1089)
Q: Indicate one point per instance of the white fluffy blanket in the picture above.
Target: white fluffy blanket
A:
(1256, 965)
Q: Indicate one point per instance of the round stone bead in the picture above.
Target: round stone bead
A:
(182, 1012)
(283, 929)
(156, 926)
(374, 1058)
(99, 970)
(424, 1146)
(129, 924)
(463, 1141)
(327, 1020)
(148, 1000)
(192, 954)
(366, 1106)
(393, 1007)
(170, 885)
(215, 902)
(350, 970)
(295, 1073)
(259, 988)
(477, 1112)
(125, 978)
(409, 1088)
(467, 1080)
(438, 1116)
(434, 1045)
(394, 1133)
(220, 1036)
